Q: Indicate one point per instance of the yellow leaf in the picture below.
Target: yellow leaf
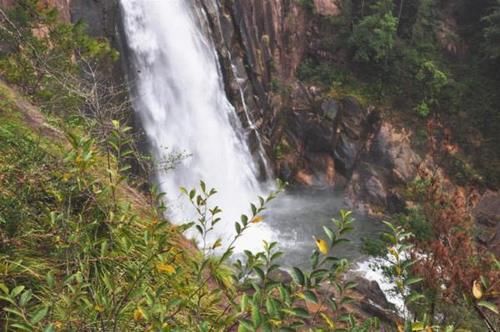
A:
(58, 325)
(322, 246)
(257, 219)
(165, 268)
(98, 308)
(477, 290)
(328, 321)
(138, 314)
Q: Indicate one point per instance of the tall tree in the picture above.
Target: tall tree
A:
(374, 35)
(491, 32)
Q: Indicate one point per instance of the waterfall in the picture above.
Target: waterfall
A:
(179, 95)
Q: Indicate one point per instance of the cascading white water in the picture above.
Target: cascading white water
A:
(179, 95)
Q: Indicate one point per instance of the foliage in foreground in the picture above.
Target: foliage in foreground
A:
(82, 252)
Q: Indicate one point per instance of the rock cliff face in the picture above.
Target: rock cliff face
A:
(261, 44)
(62, 5)
(312, 140)
(103, 20)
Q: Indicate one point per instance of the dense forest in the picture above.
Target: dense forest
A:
(423, 59)
(87, 244)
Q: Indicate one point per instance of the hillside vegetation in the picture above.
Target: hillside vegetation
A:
(85, 244)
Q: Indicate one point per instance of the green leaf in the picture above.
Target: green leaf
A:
(414, 297)
(284, 294)
(4, 288)
(412, 281)
(8, 299)
(276, 255)
(417, 326)
(299, 312)
(259, 272)
(272, 307)
(16, 291)
(245, 325)
(254, 209)
(256, 317)
(298, 276)
(40, 314)
(50, 279)
(329, 233)
(50, 328)
(244, 303)
(14, 311)
(310, 296)
(244, 219)
(350, 284)
(488, 305)
(25, 297)
(23, 327)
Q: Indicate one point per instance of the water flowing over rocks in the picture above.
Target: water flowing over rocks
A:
(311, 140)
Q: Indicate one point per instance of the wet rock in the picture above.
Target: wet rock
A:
(373, 302)
(487, 211)
(101, 17)
(307, 144)
(352, 129)
(280, 275)
(375, 191)
(305, 178)
(330, 109)
(368, 300)
(487, 217)
(395, 202)
(391, 149)
(386, 164)
(368, 188)
(346, 153)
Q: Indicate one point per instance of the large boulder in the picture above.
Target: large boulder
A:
(387, 163)
(391, 149)
(327, 7)
(352, 130)
(368, 300)
(305, 149)
(487, 217)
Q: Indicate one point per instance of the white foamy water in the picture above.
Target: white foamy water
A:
(179, 95)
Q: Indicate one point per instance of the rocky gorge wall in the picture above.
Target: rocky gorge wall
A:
(312, 139)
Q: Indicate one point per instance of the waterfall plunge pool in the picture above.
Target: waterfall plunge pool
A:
(296, 216)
